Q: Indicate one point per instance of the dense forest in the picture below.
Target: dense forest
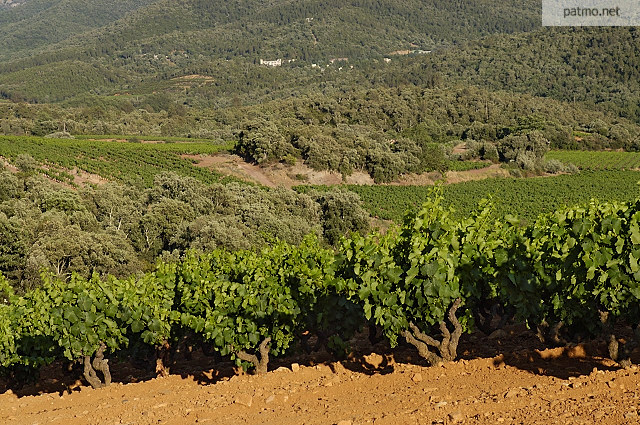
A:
(389, 132)
(190, 54)
(140, 46)
(595, 66)
(330, 26)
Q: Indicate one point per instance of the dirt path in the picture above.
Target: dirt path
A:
(275, 174)
(298, 174)
(532, 386)
(494, 170)
(232, 165)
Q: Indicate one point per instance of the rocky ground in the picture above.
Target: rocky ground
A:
(507, 378)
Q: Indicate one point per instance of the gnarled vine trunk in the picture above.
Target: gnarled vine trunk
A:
(163, 359)
(447, 347)
(259, 363)
(619, 352)
(99, 364)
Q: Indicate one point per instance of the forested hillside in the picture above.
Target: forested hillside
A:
(594, 65)
(204, 54)
(41, 23)
(11, 3)
(138, 45)
(325, 24)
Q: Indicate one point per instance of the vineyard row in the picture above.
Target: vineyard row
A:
(573, 273)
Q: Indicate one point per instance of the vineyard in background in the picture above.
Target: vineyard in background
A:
(572, 274)
(129, 163)
(147, 138)
(598, 160)
(524, 197)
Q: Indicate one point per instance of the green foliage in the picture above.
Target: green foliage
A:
(515, 147)
(550, 62)
(237, 300)
(81, 48)
(384, 131)
(575, 266)
(598, 160)
(341, 214)
(9, 323)
(72, 319)
(409, 278)
(262, 142)
(119, 230)
(26, 164)
(134, 164)
(526, 198)
(433, 158)
(13, 249)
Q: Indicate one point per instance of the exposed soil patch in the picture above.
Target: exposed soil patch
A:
(299, 174)
(83, 178)
(232, 165)
(194, 77)
(275, 174)
(494, 170)
(492, 384)
(460, 149)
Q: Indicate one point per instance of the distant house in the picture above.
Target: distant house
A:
(408, 52)
(277, 62)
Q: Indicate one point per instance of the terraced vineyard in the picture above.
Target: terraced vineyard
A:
(526, 198)
(598, 160)
(129, 163)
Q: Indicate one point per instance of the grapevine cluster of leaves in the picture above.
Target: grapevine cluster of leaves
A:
(576, 267)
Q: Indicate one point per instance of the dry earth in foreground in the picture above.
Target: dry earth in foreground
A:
(508, 378)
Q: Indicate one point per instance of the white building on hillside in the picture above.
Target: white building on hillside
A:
(271, 63)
